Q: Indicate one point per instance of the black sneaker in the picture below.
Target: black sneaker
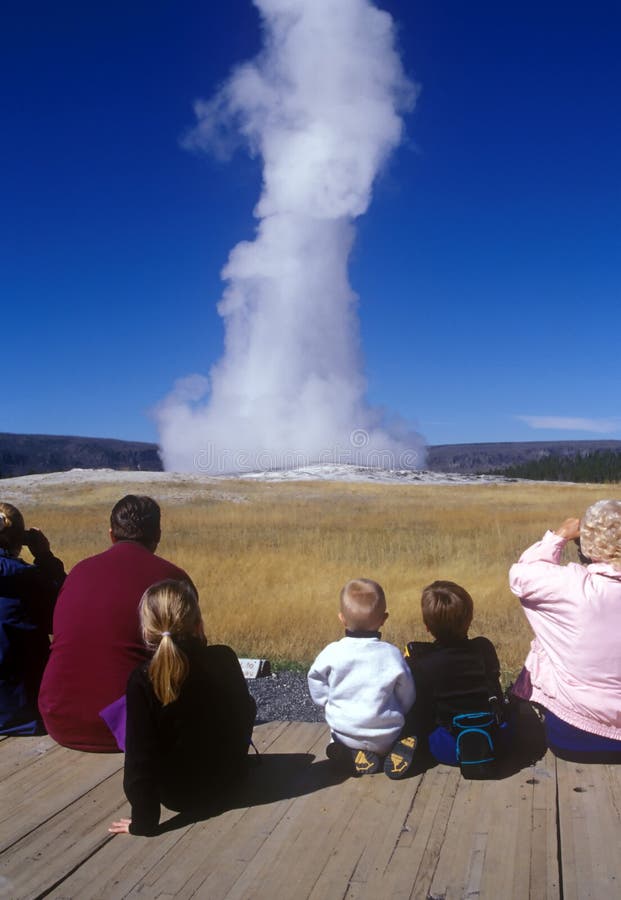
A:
(365, 762)
(339, 753)
(399, 761)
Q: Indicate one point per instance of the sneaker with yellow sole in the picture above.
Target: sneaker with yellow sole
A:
(366, 762)
(399, 761)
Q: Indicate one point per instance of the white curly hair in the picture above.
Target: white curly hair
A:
(600, 532)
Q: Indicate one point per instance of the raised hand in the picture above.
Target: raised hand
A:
(570, 529)
(36, 542)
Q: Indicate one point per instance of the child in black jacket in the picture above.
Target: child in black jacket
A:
(189, 714)
(457, 682)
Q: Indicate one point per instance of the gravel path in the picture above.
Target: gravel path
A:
(284, 697)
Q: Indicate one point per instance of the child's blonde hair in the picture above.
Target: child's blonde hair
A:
(363, 604)
(447, 610)
(169, 613)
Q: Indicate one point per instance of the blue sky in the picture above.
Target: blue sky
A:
(488, 265)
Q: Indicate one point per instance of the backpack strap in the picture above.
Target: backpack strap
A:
(474, 743)
(480, 720)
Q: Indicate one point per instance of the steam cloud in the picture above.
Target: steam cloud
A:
(321, 105)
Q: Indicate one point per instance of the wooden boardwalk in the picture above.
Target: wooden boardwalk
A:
(550, 829)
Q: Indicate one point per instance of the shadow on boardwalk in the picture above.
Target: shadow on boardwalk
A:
(298, 830)
(273, 778)
(283, 776)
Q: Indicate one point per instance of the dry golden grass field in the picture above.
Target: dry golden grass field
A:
(269, 559)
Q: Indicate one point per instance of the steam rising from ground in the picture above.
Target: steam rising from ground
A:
(320, 105)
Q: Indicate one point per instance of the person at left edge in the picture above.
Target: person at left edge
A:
(27, 597)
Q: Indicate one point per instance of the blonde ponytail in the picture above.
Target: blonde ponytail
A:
(169, 613)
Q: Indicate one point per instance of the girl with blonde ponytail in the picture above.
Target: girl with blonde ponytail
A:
(189, 714)
(169, 611)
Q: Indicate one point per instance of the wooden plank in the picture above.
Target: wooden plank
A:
(214, 855)
(457, 853)
(536, 866)
(251, 840)
(121, 861)
(437, 838)
(512, 841)
(365, 849)
(489, 841)
(545, 876)
(218, 851)
(589, 827)
(218, 869)
(342, 823)
(335, 813)
(292, 853)
(265, 736)
(298, 831)
(125, 860)
(410, 869)
(162, 865)
(48, 785)
(17, 752)
(477, 846)
(614, 781)
(42, 858)
(96, 876)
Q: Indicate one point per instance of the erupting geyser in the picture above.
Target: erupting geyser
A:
(321, 105)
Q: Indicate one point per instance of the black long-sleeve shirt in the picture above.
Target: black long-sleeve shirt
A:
(452, 678)
(182, 754)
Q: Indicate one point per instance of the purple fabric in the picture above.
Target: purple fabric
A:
(115, 717)
(564, 739)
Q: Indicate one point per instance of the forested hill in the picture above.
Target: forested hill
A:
(26, 454)
(592, 461)
(598, 467)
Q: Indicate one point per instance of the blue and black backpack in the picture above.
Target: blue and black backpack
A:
(475, 736)
(467, 730)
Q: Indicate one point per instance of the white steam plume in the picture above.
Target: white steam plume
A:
(321, 105)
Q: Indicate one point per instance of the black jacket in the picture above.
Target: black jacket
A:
(184, 753)
(27, 597)
(452, 678)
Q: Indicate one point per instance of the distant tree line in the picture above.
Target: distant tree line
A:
(598, 467)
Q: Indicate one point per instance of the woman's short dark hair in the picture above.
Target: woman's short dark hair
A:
(135, 518)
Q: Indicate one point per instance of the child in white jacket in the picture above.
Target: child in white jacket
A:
(365, 687)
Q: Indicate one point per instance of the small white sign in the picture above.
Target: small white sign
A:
(255, 668)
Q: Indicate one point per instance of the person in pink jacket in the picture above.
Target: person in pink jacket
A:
(573, 668)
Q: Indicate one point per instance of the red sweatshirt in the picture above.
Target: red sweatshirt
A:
(97, 642)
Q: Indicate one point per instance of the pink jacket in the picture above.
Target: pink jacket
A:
(574, 664)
